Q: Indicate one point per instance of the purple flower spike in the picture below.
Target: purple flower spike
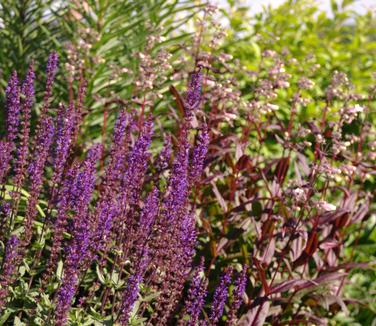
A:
(64, 298)
(120, 128)
(199, 154)
(103, 225)
(133, 177)
(60, 222)
(66, 123)
(9, 267)
(5, 154)
(240, 285)
(118, 153)
(36, 169)
(51, 72)
(149, 213)
(5, 211)
(163, 159)
(83, 185)
(10, 257)
(196, 295)
(131, 291)
(193, 98)
(27, 90)
(188, 238)
(178, 187)
(44, 140)
(51, 69)
(12, 94)
(78, 250)
(220, 297)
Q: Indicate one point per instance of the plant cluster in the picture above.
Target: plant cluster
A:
(290, 196)
(73, 237)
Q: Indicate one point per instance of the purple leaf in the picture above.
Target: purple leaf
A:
(330, 216)
(361, 213)
(322, 279)
(255, 316)
(287, 285)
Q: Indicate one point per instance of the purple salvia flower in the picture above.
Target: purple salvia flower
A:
(115, 168)
(5, 211)
(113, 189)
(198, 156)
(131, 186)
(36, 168)
(147, 219)
(51, 67)
(51, 72)
(5, 155)
(82, 87)
(193, 98)
(188, 238)
(10, 257)
(131, 291)
(65, 125)
(42, 122)
(9, 266)
(41, 152)
(163, 159)
(65, 296)
(60, 221)
(27, 90)
(105, 212)
(129, 297)
(149, 213)
(133, 177)
(120, 128)
(78, 249)
(237, 293)
(12, 94)
(169, 253)
(112, 195)
(82, 190)
(196, 296)
(220, 297)
(83, 185)
(175, 201)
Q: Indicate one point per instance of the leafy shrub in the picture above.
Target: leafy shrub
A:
(285, 193)
(341, 39)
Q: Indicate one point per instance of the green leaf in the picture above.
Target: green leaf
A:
(100, 276)
(59, 270)
(18, 322)
(5, 315)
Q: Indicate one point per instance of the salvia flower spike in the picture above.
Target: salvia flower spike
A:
(196, 295)
(220, 297)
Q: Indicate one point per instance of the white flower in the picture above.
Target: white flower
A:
(327, 206)
(272, 107)
(356, 109)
